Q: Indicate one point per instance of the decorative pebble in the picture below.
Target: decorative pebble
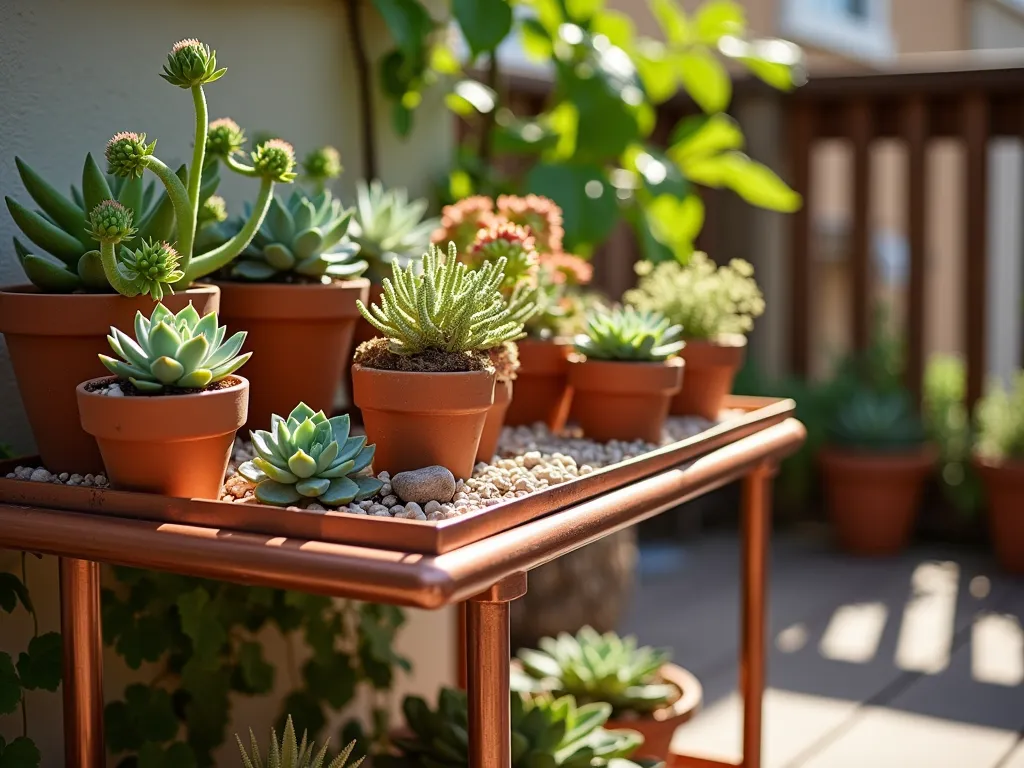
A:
(423, 485)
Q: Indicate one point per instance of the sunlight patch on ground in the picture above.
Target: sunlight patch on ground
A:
(854, 632)
(926, 633)
(997, 650)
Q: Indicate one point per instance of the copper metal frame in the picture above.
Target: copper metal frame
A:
(487, 574)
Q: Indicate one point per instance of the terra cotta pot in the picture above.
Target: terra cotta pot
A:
(873, 498)
(615, 400)
(54, 341)
(363, 332)
(301, 340)
(503, 393)
(542, 391)
(1004, 488)
(418, 419)
(659, 727)
(173, 445)
(711, 367)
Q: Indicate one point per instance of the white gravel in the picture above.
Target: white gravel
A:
(42, 475)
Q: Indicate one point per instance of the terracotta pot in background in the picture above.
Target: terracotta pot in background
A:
(54, 341)
(872, 499)
(503, 392)
(542, 390)
(173, 445)
(710, 370)
(300, 337)
(363, 332)
(418, 420)
(623, 400)
(1004, 489)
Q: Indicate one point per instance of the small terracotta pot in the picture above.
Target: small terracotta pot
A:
(1004, 487)
(873, 498)
(301, 340)
(503, 391)
(418, 420)
(658, 728)
(542, 390)
(623, 400)
(54, 341)
(711, 367)
(363, 332)
(173, 445)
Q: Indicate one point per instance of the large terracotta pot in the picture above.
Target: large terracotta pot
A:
(418, 420)
(710, 370)
(54, 341)
(660, 726)
(542, 390)
(873, 499)
(623, 400)
(1004, 487)
(300, 337)
(173, 445)
(503, 392)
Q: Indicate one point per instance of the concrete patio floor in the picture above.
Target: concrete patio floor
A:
(915, 661)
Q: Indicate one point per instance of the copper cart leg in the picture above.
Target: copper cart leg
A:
(461, 645)
(488, 651)
(83, 663)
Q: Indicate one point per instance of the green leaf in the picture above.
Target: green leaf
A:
(333, 680)
(443, 60)
(12, 591)
(582, 11)
(587, 199)
(22, 752)
(401, 119)
(659, 174)
(10, 686)
(202, 625)
(672, 20)
(257, 673)
(754, 182)
(409, 24)
(676, 223)
(41, 666)
(146, 714)
(208, 707)
(618, 27)
(537, 43)
(658, 75)
(717, 18)
(702, 135)
(306, 711)
(705, 79)
(484, 23)
(177, 755)
(471, 96)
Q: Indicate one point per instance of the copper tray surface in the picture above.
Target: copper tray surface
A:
(426, 537)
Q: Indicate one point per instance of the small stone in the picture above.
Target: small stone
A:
(423, 485)
(114, 391)
(64, 477)
(315, 507)
(378, 510)
(11, 475)
(385, 489)
(437, 514)
(101, 480)
(72, 481)
(89, 479)
(76, 479)
(389, 500)
(384, 477)
(412, 510)
(397, 510)
(354, 510)
(40, 476)
(23, 473)
(431, 506)
(365, 504)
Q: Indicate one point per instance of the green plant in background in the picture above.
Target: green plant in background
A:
(303, 239)
(388, 227)
(594, 667)
(321, 166)
(629, 334)
(545, 732)
(289, 753)
(180, 350)
(708, 301)
(879, 422)
(38, 667)
(1000, 420)
(308, 456)
(949, 429)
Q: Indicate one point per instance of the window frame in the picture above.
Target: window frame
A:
(807, 22)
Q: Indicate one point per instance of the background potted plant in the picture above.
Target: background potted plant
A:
(999, 458)
(625, 374)
(645, 691)
(716, 307)
(167, 422)
(290, 753)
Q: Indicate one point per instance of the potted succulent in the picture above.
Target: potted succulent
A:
(546, 731)
(101, 260)
(290, 753)
(716, 307)
(875, 463)
(625, 373)
(645, 691)
(425, 388)
(167, 420)
(999, 458)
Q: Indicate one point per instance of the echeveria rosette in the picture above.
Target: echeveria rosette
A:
(183, 350)
(310, 457)
(388, 227)
(628, 334)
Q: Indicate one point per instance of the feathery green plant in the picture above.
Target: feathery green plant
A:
(290, 753)
(388, 227)
(174, 350)
(629, 334)
(308, 456)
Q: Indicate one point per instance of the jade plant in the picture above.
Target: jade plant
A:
(546, 731)
(879, 421)
(310, 457)
(629, 334)
(595, 667)
(389, 228)
(291, 753)
(179, 351)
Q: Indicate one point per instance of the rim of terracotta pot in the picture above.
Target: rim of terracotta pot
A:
(921, 458)
(285, 301)
(726, 349)
(1012, 468)
(625, 377)
(390, 390)
(198, 414)
(24, 310)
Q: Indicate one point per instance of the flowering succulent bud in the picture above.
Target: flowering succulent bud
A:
(126, 154)
(152, 267)
(275, 160)
(224, 138)
(323, 163)
(213, 209)
(509, 241)
(191, 63)
(111, 222)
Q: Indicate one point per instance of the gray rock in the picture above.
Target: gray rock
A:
(422, 485)
(431, 506)
(412, 511)
(41, 476)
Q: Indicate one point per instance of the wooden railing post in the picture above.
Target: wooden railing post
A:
(801, 133)
(915, 134)
(860, 131)
(975, 131)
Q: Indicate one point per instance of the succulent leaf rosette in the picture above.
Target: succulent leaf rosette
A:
(877, 421)
(389, 227)
(310, 457)
(291, 753)
(628, 334)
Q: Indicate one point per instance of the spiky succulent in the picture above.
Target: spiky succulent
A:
(440, 303)
(304, 237)
(291, 753)
(388, 227)
(308, 456)
(546, 731)
(877, 421)
(595, 667)
(628, 334)
(191, 64)
(181, 350)
(153, 268)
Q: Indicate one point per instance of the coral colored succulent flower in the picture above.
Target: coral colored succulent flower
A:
(540, 214)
